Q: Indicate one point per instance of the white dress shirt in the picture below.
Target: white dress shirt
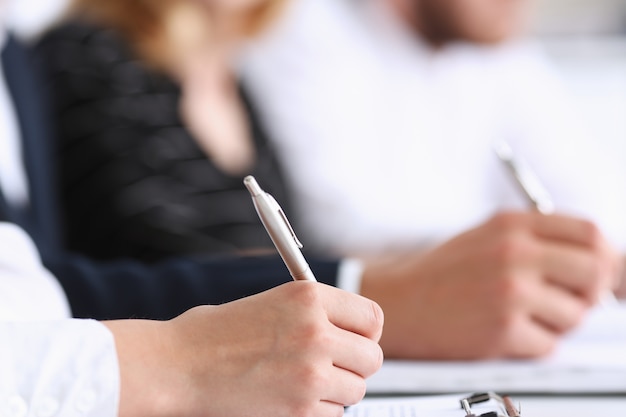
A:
(389, 143)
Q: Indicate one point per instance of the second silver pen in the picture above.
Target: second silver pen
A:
(280, 231)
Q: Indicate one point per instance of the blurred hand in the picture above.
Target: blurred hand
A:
(509, 288)
(302, 349)
(620, 290)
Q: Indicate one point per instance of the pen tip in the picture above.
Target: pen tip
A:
(252, 185)
(503, 150)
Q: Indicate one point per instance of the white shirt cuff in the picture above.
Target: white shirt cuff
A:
(350, 275)
(58, 368)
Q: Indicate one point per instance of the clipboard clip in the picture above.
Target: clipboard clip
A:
(507, 409)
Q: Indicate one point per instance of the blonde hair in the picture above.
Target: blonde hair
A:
(159, 29)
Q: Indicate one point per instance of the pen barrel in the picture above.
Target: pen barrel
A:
(283, 238)
(293, 258)
(305, 276)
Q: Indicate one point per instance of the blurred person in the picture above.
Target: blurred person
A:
(155, 130)
(201, 363)
(385, 114)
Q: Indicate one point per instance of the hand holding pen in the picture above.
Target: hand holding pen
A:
(536, 193)
(323, 342)
(509, 287)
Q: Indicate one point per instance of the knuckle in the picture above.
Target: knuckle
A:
(591, 233)
(511, 249)
(306, 294)
(511, 289)
(506, 220)
(313, 336)
(313, 378)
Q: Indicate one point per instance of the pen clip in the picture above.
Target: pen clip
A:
(286, 221)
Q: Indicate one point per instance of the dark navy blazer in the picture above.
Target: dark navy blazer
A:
(111, 290)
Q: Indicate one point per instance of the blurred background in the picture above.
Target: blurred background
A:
(581, 17)
(585, 38)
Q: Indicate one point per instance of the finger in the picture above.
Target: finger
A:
(617, 267)
(344, 387)
(567, 229)
(578, 270)
(357, 354)
(529, 338)
(557, 309)
(329, 409)
(354, 313)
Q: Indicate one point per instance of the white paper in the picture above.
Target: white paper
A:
(590, 360)
(443, 406)
(449, 406)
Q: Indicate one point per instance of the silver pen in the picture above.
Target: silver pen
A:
(535, 192)
(280, 231)
(529, 183)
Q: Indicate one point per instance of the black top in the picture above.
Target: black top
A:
(134, 183)
(123, 288)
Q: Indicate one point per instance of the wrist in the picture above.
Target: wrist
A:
(148, 377)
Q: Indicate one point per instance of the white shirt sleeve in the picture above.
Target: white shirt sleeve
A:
(350, 275)
(50, 365)
(58, 368)
(27, 290)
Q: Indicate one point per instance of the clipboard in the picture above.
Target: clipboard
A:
(485, 404)
(503, 404)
